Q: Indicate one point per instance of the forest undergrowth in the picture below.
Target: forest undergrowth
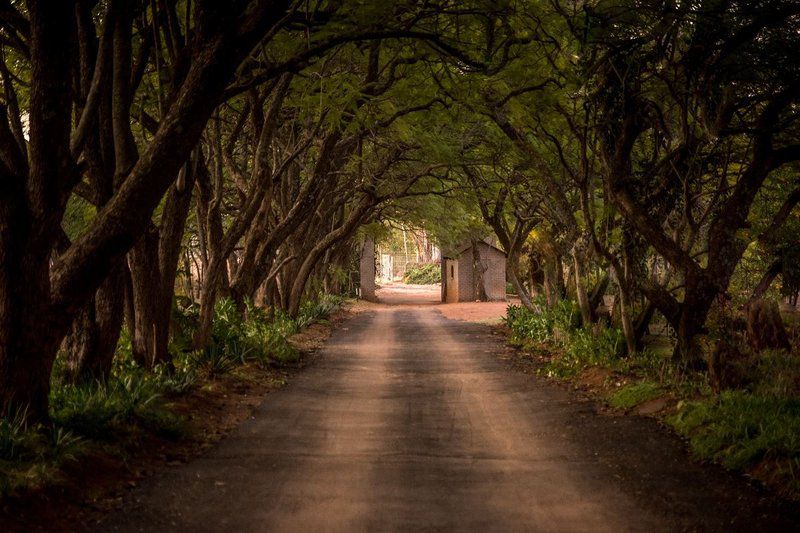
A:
(751, 427)
(136, 403)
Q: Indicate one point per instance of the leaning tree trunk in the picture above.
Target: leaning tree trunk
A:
(642, 323)
(478, 269)
(766, 280)
(624, 276)
(92, 342)
(512, 271)
(298, 285)
(580, 285)
(625, 310)
(599, 290)
(212, 283)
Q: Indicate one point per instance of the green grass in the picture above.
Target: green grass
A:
(31, 456)
(739, 429)
(634, 394)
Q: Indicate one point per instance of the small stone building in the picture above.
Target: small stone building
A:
(457, 275)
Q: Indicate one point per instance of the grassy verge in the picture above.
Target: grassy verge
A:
(634, 394)
(753, 429)
(136, 405)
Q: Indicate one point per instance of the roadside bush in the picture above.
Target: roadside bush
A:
(583, 348)
(753, 423)
(229, 338)
(548, 325)
(527, 325)
(597, 345)
(96, 410)
(777, 375)
(578, 347)
(215, 360)
(237, 338)
(269, 338)
(423, 274)
(17, 440)
(320, 308)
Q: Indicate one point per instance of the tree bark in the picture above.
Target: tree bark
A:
(478, 269)
(579, 267)
(766, 280)
(95, 333)
(344, 231)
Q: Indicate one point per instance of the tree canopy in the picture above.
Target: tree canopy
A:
(166, 149)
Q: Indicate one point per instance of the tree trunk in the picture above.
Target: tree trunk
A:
(580, 285)
(765, 329)
(552, 281)
(766, 280)
(478, 269)
(27, 345)
(625, 318)
(298, 284)
(143, 261)
(95, 333)
(522, 292)
(208, 299)
(512, 271)
(642, 323)
(367, 269)
(599, 290)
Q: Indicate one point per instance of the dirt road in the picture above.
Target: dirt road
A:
(410, 422)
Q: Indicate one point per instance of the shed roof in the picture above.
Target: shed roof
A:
(454, 253)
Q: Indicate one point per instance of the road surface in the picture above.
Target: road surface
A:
(409, 421)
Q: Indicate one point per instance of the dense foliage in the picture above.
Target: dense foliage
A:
(425, 274)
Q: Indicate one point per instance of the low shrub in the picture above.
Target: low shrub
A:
(96, 409)
(215, 359)
(527, 325)
(17, 440)
(230, 341)
(134, 399)
(595, 345)
(320, 308)
(255, 336)
(423, 274)
(559, 328)
(777, 374)
(545, 325)
(583, 348)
